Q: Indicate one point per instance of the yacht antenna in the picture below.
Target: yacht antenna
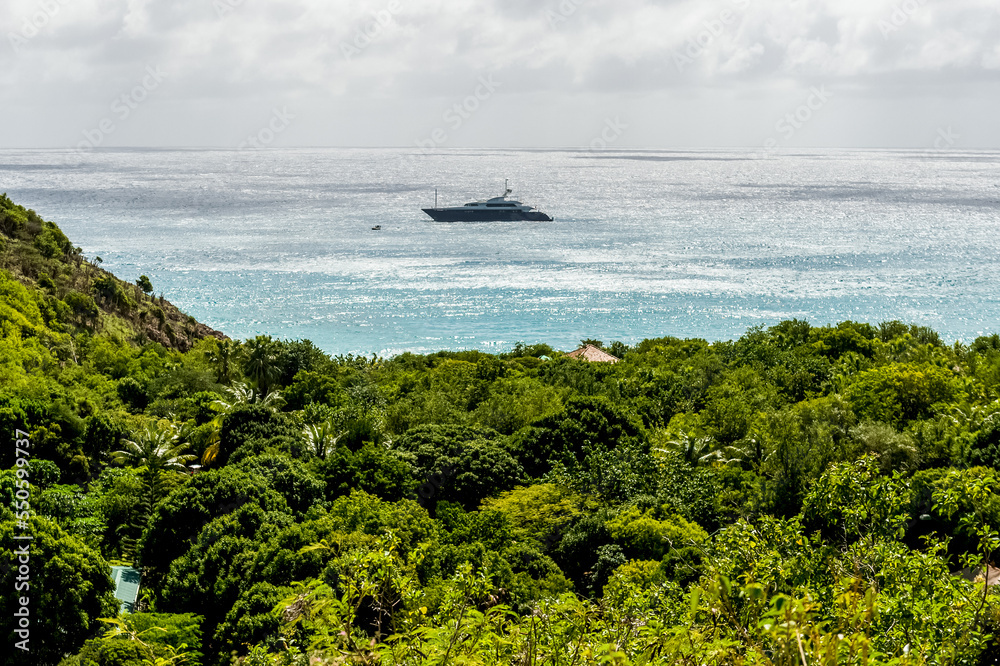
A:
(435, 197)
(506, 189)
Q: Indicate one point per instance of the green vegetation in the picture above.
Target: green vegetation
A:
(67, 295)
(801, 495)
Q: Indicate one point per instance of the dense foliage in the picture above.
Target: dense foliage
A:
(800, 495)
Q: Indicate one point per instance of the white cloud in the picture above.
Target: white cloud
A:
(226, 54)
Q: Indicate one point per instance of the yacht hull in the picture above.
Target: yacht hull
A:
(495, 215)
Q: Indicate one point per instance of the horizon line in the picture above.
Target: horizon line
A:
(448, 149)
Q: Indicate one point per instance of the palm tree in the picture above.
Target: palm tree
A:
(260, 363)
(973, 417)
(221, 355)
(239, 394)
(749, 452)
(322, 437)
(157, 450)
(695, 450)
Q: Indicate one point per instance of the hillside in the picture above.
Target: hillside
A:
(76, 295)
(75, 341)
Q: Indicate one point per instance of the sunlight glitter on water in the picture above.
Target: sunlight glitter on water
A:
(644, 243)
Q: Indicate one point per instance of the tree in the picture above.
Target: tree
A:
(241, 424)
(467, 473)
(222, 355)
(240, 395)
(240, 400)
(900, 392)
(643, 536)
(213, 573)
(82, 305)
(133, 393)
(121, 501)
(180, 517)
(107, 651)
(157, 450)
(695, 451)
(586, 426)
(144, 284)
(252, 618)
(735, 402)
(103, 433)
(295, 356)
(70, 588)
(372, 468)
(541, 511)
(260, 362)
(617, 349)
(300, 487)
(853, 501)
(144, 639)
(322, 437)
(442, 438)
(110, 290)
(513, 402)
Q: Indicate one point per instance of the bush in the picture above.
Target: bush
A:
(132, 392)
(112, 652)
(900, 392)
(586, 426)
(642, 536)
(254, 424)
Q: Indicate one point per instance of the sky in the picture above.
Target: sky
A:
(500, 73)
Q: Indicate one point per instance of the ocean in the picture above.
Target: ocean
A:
(645, 243)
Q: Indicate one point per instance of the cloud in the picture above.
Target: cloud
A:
(86, 52)
(309, 43)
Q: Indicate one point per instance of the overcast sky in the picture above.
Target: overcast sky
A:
(628, 73)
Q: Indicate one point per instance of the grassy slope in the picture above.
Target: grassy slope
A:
(72, 294)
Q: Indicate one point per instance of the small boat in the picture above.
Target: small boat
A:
(497, 209)
(377, 227)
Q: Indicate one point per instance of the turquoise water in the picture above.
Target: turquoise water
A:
(644, 243)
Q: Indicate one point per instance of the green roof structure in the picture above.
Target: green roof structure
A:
(126, 581)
